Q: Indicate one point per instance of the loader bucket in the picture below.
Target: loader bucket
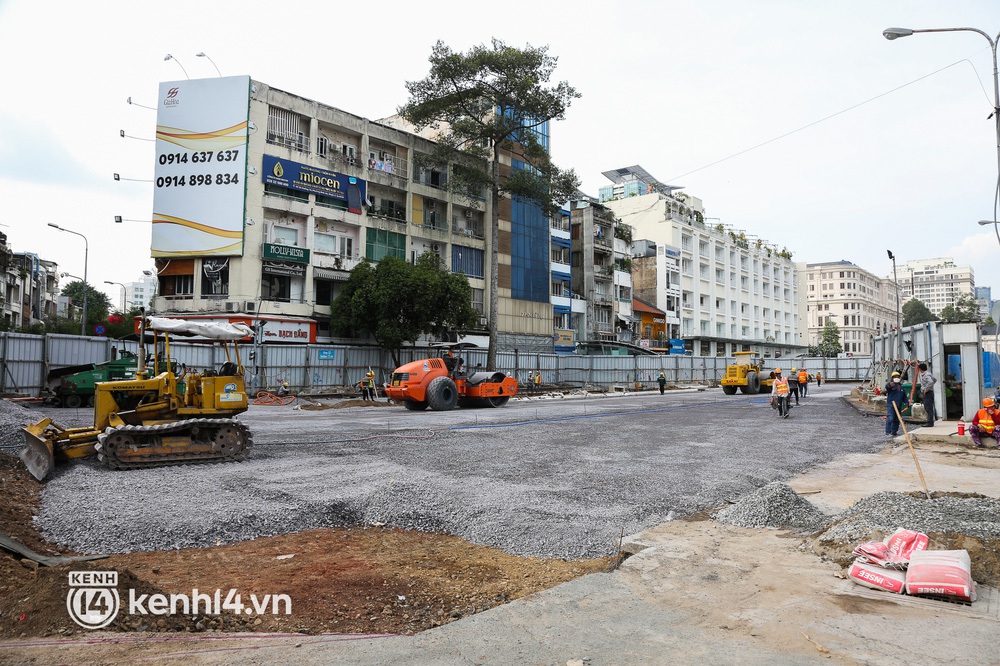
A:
(37, 454)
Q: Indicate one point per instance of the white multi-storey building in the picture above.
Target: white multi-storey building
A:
(937, 283)
(140, 293)
(737, 292)
(861, 304)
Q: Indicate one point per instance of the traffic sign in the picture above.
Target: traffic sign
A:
(99, 330)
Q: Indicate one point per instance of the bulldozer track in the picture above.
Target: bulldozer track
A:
(213, 440)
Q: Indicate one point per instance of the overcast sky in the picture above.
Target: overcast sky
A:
(682, 88)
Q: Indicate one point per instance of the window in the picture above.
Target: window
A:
(324, 243)
(477, 300)
(467, 260)
(284, 235)
(324, 292)
(560, 255)
(380, 243)
(275, 287)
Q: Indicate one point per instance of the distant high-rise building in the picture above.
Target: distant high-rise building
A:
(937, 283)
(860, 303)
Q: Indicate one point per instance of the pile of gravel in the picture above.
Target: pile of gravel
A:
(13, 417)
(775, 505)
(884, 512)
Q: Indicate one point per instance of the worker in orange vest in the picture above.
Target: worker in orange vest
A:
(793, 386)
(803, 381)
(984, 424)
(779, 394)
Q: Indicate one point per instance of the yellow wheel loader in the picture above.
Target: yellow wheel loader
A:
(160, 417)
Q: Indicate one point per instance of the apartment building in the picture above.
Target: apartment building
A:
(937, 282)
(325, 189)
(602, 272)
(860, 303)
(737, 291)
(656, 280)
(31, 287)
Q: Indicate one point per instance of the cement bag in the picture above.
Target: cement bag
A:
(873, 552)
(941, 572)
(876, 577)
(902, 544)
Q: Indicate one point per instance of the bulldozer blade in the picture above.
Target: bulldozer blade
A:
(37, 454)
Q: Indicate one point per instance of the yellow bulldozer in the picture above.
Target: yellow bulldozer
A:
(165, 416)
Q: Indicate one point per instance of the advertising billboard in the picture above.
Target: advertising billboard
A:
(199, 185)
(295, 176)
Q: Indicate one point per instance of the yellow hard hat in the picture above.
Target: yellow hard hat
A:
(371, 374)
(777, 371)
(988, 402)
(895, 374)
(795, 369)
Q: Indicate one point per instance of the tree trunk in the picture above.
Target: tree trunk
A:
(491, 353)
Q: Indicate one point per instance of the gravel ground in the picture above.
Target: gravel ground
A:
(550, 479)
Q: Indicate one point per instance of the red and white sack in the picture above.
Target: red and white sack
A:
(942, 573)
(874, 552)
(876, 577)
(902, 544)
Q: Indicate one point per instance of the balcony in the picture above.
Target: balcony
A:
(468, 229)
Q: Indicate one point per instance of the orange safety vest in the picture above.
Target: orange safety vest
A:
(986, 423)
(781, 386)
(803, 377)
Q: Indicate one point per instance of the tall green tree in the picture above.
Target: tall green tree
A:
(395, 302)
(965, 309)
(830, 343)
(915, 312)
(98, 303)
(485, 101)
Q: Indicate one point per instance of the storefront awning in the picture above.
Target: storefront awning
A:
(628, 319)
(330, 274)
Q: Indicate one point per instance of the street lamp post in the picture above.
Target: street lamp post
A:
(123, 292)
(170, 57)
(202, 54)
(86, 252)
(899, 333)
(895, 33)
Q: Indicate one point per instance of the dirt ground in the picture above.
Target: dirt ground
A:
(363, 580)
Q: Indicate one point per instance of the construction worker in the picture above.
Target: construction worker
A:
(662, 381)
(368, 386)
(793, 385)
(927, 382)
(779, 394)
(819, 379)
(984, 424)
(538, 380)
(895, 397)
(803, 381)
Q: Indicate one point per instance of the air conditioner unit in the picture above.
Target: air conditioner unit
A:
(250, 306)
(468, 214)
(231, 306)
(435, 247)
(429, 204)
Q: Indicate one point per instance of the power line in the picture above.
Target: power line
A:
(832, 115)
